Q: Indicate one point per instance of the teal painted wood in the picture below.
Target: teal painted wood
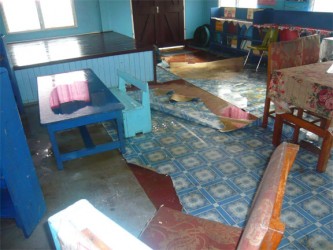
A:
(138, 64)
(21, 195)
(137, 114)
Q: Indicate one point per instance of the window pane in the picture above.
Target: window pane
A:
(228, 3)
(247, 3)
(20, 15)
(323, 6)
(57, 13)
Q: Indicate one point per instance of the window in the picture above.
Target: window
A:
(323, 6)
(29, 15)
(238, 3)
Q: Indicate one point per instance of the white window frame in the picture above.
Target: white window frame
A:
(40, 18)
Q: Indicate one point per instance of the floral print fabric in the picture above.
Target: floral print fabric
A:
(308, 87)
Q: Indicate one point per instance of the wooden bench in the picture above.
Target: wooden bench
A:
(136, 115)
(171, 229)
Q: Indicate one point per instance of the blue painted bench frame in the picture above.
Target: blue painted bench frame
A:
(110, 110)
(20, 192)
(136, 115)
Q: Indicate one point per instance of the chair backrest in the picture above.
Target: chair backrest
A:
(270, 36)
(264, 229)
(311, 49)
(292, 53)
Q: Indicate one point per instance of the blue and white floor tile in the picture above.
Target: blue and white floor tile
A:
(216, 176)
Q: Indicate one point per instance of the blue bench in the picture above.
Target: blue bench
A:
(136, 115)
(75, 100)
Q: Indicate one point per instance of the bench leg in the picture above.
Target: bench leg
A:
(121, 135)
(55, 148)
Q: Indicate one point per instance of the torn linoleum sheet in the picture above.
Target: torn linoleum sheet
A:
(188, 108)
(225, 117)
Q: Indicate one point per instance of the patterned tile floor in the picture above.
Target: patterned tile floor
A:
(216, 175)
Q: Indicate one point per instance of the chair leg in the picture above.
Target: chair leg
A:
(266, 112)
(278, 125)
(262, 53)
(325, 152)
(247, 57)
(296, 127)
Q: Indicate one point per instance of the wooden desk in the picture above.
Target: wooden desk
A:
(77, 99)
(310, 88)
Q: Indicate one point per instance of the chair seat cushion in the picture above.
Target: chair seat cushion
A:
(171, 229)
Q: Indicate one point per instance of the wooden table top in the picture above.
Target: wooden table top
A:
(66, 49)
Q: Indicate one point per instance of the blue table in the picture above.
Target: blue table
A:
(74, 100)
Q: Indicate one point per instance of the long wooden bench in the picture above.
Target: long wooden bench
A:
(172, 229)
(136, 115)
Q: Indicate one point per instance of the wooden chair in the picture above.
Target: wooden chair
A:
(297, 52)
(171, 229)
(270, 36)
(280, 55)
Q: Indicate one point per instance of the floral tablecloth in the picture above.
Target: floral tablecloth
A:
(309, 87)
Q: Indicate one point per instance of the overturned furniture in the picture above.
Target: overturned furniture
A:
(136, 115)
(171, 229)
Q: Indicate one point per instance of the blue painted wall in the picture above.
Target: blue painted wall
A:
(290, 5)
(195, 16)
(116, 16)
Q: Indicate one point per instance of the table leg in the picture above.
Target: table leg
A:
(278, 124)
(86, 137)
(325, 152)
(55, 147)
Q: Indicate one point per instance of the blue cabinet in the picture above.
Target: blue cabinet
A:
(21, 195)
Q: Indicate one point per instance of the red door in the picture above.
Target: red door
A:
(158, 22)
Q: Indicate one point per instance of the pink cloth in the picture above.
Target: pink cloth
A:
(64, 93)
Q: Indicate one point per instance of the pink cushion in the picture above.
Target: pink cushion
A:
(287, 35)
(171, 229)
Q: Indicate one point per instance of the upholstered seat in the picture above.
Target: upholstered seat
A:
(171, 229)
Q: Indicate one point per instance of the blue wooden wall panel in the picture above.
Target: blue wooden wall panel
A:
(140, 65)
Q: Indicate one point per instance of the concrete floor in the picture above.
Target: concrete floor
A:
(103, 179)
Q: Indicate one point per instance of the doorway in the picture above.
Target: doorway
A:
(158, 22)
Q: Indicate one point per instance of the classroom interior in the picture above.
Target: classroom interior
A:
(196, 162)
